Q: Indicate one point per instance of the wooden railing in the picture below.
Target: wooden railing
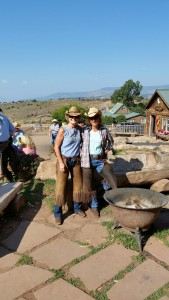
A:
(128, 129)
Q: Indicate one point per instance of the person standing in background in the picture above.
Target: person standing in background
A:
(53, 130)
(81, 122)
(7, 151)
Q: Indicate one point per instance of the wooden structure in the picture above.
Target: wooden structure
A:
(157, 113)
(120, 109)
(8, 192)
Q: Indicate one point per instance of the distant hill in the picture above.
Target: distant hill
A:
(102, 93)
(146, 92)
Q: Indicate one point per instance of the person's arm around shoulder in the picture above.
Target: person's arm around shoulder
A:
(58, 143)
(110, 141)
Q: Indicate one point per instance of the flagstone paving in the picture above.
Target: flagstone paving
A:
(62, 290)
(63, 251)
(58, 253)
(29, 235)
(141, 282)
(104, 265)
(157, 249)
(20, 280)
(7, 259)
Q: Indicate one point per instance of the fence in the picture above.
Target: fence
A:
(128, 129)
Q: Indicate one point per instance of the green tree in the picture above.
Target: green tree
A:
(120, 118)
(59, 113)
(129, 92)
(107, 120)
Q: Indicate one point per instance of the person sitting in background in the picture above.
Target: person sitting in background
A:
(7, 152)
(16, 135)
(27, 145)
(53, 130)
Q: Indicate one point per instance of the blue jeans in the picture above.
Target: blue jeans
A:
(97, 165)
(53, 138)
(58, 209)
(94, 203)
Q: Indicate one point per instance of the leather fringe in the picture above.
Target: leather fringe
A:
(60, 200)
(87, 197)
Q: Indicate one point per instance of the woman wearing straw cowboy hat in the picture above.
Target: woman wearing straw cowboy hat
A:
(97, 142)
(67, 149)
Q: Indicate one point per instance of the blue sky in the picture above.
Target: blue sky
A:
(49, 46)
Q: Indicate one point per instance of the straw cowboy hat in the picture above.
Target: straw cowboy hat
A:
(73, 111)
(93, 111)
(16, 124)
(54, 120)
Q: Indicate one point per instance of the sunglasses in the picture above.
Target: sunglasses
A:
(93, 118)
(73, 117)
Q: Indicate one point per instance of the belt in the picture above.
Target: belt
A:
(95, 156)
(69, 158)
(3, 142)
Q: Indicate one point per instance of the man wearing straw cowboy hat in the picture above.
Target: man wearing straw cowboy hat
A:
(53, 130)
(96, 143)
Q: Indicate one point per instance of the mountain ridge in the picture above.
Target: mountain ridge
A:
(146, 92)
(102, 93)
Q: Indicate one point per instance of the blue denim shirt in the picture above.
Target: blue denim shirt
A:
(6, 128)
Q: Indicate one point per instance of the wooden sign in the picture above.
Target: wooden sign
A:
(158, 108)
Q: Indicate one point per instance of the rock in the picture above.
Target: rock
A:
(46, 170)
(128, 141)
(160, 186)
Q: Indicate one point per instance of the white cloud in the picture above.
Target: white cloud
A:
(24, 82)
(97, 77)
(4, 81)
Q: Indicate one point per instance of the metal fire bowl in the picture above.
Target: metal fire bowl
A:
(135, 207)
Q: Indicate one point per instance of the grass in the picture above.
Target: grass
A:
(76, 282)
(164, 291)
(127, 240)
(25, 260)
(38, 191)
(56, 274)
(163, 235)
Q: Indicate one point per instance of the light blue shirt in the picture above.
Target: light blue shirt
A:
(71, 143)
(95, 146)
(16, 137)
(6, 128)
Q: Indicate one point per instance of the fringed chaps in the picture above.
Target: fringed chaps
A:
(62, 180)
(88, 185)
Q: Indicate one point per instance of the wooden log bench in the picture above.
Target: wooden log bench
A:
(8, 193)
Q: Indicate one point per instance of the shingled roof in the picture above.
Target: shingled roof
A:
(163, 93)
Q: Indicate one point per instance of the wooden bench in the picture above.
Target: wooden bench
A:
(8, 191)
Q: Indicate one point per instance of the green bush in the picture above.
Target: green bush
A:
(59, 113)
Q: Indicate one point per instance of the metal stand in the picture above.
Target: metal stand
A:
(116, 225)
(138, 237)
